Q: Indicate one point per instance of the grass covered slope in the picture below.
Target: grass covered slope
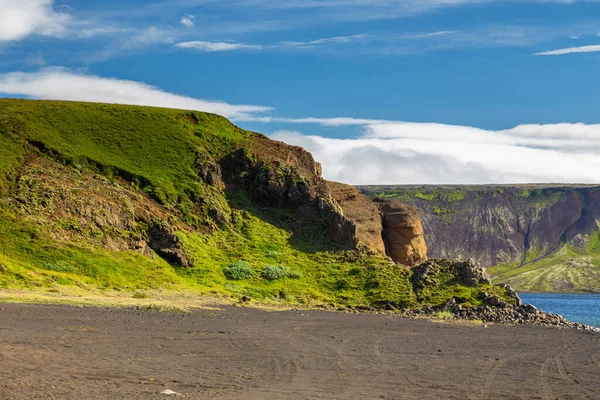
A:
(124, 198)
(568, 269)
(156, 147)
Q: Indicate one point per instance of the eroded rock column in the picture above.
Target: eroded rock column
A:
(402, 233)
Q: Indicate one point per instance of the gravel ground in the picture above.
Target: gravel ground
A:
(61, 352)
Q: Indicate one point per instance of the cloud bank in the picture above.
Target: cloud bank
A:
(426, 153)
(21, 18)
(63, 84)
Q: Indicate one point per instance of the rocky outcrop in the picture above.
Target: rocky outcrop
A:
(280, 175)
(272, 182)
(361, 216)
(499, 304)
(525, 314)
(385, 226)
(402, 232)
(469, 273)
(165, 242)
(208, 170)
(493, 304)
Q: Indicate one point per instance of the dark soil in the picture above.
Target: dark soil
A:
(59, 352)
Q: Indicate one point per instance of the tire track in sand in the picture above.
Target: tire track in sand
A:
(547, 391)
(302, 364)
(486, 391)
(566, 375)
(386, 364)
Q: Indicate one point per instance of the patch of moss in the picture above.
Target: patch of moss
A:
(441, 195)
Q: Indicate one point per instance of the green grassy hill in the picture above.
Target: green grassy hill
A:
(97, 197)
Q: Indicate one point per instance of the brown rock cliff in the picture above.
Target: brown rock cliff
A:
(386, 226)
(278, 174)
(402, 232)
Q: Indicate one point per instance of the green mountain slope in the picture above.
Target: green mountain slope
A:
(107, 197)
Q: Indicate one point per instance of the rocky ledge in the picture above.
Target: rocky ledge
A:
(524, 314)
(505, 309)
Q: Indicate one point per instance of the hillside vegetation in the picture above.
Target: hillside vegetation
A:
(136, 199)
(533, 237)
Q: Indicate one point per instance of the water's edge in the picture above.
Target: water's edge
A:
(577, 307)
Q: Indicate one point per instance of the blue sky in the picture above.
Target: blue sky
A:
(430, 91)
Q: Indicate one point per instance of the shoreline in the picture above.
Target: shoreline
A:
(186, 302)
(560, 293)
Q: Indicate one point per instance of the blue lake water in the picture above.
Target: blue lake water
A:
(582, 308)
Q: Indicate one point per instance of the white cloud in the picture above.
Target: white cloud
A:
(311, 44)
(216, 46)
(62, 84)
(338, 121)
(187, 21)
(21, 18)
(389, 152)
(403, 43)
(87, 31)
(366, 39)
(148, 36)
(570, 50)
(335, 39)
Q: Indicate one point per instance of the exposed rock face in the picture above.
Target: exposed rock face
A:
(277, 174)
(402, 232)
(166, 244)
(468, 272)
(271, 181)
(432, 272)
(362, 215)
(87, 207)
(385, 226)
(503, 305)
(209, 170)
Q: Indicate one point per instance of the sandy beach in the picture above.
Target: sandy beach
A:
(61, 352)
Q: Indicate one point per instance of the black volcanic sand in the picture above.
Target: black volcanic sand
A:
(60, 352)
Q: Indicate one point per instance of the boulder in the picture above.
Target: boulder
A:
(472, 273)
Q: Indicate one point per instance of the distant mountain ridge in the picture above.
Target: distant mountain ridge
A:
(535, 237)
